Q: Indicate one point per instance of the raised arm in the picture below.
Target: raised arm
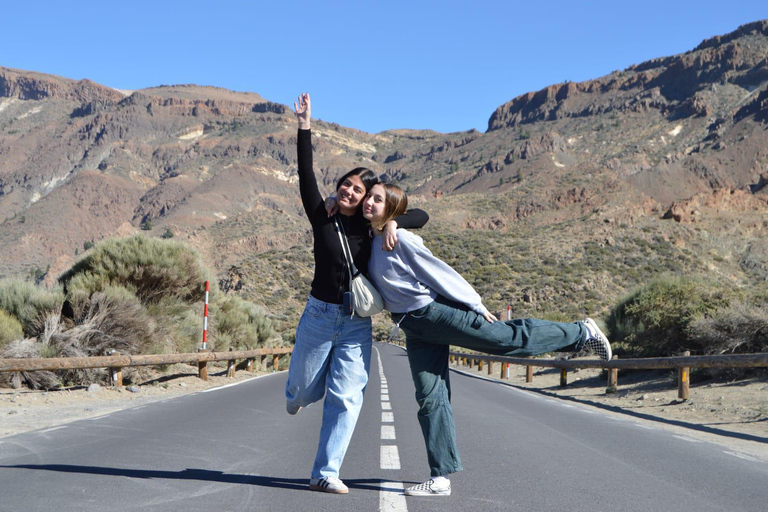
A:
(310, 193)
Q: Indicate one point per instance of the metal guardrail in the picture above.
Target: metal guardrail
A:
(116, 363)
(682, 364)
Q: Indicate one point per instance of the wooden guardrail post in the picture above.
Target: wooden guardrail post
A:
(275, 363)
(231, 366)
(202, 367)
(249, 364)
(480, 365)
(490, 367)
(613, 378)
(684, 380)
(529, 372)
(117, 376)
(504, 366)
(263, 363)
(563, 377)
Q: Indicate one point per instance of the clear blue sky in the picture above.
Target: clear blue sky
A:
(373, 66)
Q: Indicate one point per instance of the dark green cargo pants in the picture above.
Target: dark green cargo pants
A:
(430, 331)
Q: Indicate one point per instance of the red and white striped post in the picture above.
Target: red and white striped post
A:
(205, 316)
(202, 366)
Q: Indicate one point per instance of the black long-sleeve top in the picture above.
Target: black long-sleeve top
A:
(331, 278)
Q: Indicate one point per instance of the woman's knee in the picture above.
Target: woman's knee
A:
(432, 400)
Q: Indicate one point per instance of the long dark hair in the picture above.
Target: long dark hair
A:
(367, 176)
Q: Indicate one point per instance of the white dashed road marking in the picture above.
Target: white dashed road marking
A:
(391, 497)
(388, 432)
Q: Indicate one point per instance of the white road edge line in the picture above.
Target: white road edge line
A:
(743, 456)
(241, 382)
(52, 429)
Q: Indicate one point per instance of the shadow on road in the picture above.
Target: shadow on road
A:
(206, 475)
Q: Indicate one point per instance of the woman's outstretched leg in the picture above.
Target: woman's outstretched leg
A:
(445, 322)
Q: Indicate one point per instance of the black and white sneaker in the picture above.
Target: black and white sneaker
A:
(430, 488)
(597, 341)
(328, 484)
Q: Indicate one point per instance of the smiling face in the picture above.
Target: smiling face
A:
(374, 205)
(349, 194)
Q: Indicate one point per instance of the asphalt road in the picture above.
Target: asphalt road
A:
(234, 448)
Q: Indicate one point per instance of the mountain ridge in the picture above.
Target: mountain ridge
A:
(638, 148)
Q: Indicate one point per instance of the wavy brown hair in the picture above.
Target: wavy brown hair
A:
(395, 203)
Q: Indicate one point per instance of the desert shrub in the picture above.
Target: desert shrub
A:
(150, 268)
(178, 324)
(35, 380)
(653, 320)
(10, 328)
(239, 324)
(113, 318)
(30, 304)
(737, 328)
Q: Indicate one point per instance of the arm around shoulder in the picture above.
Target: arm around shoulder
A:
(414, 218)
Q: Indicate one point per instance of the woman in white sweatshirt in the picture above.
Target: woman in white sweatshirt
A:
(436, 308)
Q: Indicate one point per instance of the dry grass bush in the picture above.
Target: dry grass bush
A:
(738, 328)
(26, 348)
(10, 328)
(110, 319)
(30, 304)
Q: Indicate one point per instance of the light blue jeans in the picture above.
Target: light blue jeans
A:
(332, 357)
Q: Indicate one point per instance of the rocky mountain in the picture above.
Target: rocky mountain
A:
(661, 166)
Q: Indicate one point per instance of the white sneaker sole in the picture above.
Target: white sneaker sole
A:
(328, 489)
(422, 493)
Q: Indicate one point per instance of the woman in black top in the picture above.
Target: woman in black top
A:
(333, 349)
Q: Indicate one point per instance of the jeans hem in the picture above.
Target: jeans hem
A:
(444, 472)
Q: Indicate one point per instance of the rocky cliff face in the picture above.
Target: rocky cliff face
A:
(24, 85)
(675, 86)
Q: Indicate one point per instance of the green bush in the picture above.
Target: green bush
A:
(151, 268)
(30, 304)
(239, 324)
(10, 328)
(654, 320)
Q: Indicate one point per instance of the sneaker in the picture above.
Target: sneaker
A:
(328, 484)
(292, 408)
(430, 488)
(597, 341)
